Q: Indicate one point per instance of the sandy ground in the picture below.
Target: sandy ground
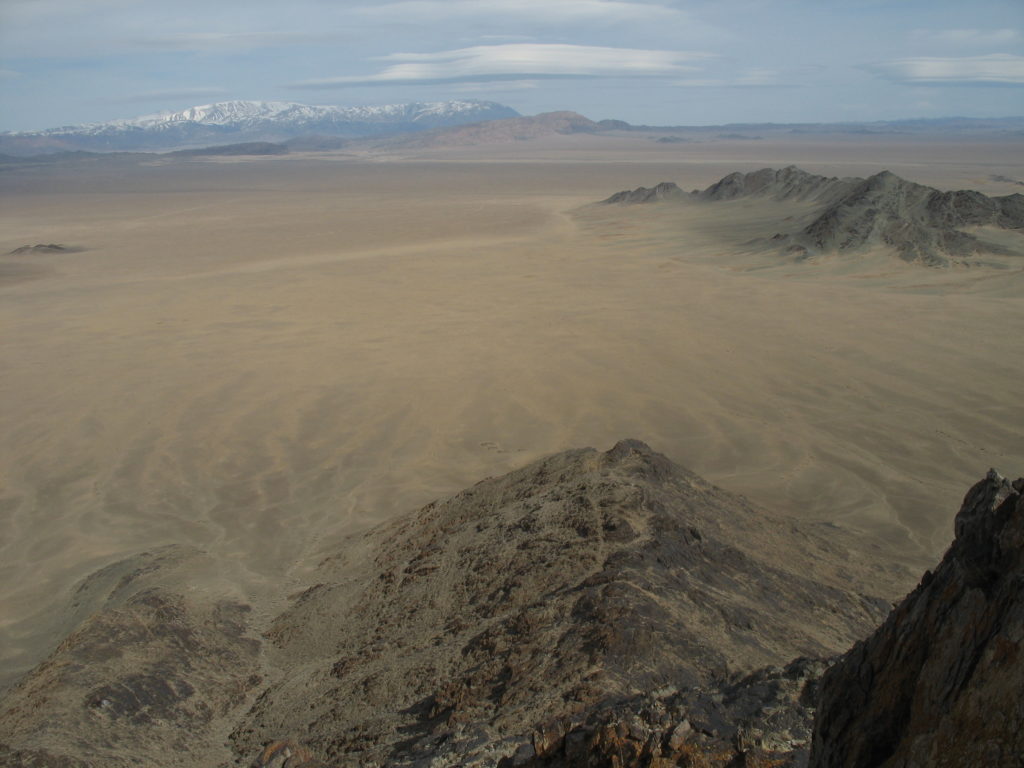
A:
(260, 356)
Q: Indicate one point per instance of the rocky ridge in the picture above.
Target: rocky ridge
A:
(921, 224)
(590, 609)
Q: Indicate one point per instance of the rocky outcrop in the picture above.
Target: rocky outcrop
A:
(764, 719)
(547, 595)
(941, 683)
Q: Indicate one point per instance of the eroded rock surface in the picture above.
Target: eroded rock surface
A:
(941, 683)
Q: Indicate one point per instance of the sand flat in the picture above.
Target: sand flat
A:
(260, 357)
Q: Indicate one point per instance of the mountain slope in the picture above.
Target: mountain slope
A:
(241, 121)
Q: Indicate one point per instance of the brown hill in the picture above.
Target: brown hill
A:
(503, 131)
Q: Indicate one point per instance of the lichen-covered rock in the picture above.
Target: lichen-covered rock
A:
(764, 719)
(941, 683)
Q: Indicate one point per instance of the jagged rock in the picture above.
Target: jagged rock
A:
(450, 636)
(941, 683)
(146, 678)
(286, 754)
(763, 719)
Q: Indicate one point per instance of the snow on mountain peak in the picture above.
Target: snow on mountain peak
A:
(234, 121)
(243, 114)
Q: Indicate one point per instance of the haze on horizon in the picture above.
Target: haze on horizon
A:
(646, 61)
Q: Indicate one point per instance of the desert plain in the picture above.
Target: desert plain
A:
(260, 356)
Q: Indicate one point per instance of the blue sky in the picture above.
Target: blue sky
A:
(657, 62)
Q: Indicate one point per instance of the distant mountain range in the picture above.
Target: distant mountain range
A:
(419, 124)
(248, 121)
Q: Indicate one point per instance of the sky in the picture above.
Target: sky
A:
(654, 62)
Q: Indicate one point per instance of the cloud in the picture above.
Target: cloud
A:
(977, 37)
(219, 41)
(518, 61)
(505, 86)
(8, 74)
(174, 93)
(755, 77)
(534, 11)
(996, 69)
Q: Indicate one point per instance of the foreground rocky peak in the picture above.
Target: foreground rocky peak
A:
(941, 683)
(581, 580)
(921, 224)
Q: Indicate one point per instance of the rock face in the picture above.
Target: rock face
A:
(921, 224)
(941, 683)
(546, 596)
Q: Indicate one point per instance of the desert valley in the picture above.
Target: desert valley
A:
(238, 367)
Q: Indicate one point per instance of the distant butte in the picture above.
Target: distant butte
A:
(44, 248)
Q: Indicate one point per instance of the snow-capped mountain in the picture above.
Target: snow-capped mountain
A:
(237, 121)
